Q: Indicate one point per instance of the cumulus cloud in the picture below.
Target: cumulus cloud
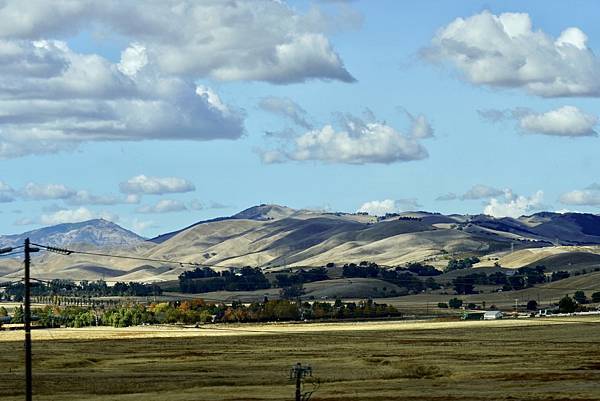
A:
(40, 192)
(142, 184)
(506, 51)
(480, 191)
(287, 108)
(140, 226)
(589, 196)
(356, 142)
(83, 197)
(7, 194)
(566, 121)
(514, 205)
(34, 191)
(382, 207)
(75, 216)
(61, 99)
(163, 206)
(378, 208)
(53, 98)
(228, 40)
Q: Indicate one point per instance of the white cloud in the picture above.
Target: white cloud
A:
(163, 206)
(75, 216)
(287, 108)
(7, 194)
(84, 197)
(585, 197)
(133, 59)
(480, 191)
(142, 184)
(564, 121)
(420, 127)
(34, 191)
(514, 205)
(357, 142)
(505, 51)
(382, 207)
(53, 99)
(379, 208)
(229, 40)
(140, 226)
(61, 99)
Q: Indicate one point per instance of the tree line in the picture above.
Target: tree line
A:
(82, 289)
(524, 277)
(198, 312)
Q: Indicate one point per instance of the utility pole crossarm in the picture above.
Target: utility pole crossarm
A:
(298, 373)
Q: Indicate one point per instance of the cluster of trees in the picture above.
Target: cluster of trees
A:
(524, 277)
(459, 264)
(301, 276)
(422, 270)
(363, 269)
(204, 279)
(199, 311)
(83, 289)
(402, 277)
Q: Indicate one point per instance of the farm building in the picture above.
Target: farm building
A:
(470, 315)
(492, 315)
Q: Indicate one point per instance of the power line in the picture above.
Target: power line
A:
(12, 253)
(68, 252)
(52, 281)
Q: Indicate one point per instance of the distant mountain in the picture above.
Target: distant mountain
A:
(265, 212)
(260, 213)
(273, 236)
(97, 232)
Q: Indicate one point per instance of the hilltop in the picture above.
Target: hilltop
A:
(273, 237)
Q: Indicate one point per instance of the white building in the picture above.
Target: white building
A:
(492, 315)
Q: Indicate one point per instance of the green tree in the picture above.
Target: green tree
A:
(3, 311)
(596, 297)
(292, 292)
(580, 297)
(567, 305)
(455, 303)
(18, 315)
(463, 285)
(532, 305)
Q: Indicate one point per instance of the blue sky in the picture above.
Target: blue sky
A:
(160, 116)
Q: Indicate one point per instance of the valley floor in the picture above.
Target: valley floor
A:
(537, 359)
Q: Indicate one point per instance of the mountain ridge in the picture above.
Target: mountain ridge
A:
(273, 236)
(97, 232)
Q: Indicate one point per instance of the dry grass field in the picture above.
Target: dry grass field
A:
(553, 359)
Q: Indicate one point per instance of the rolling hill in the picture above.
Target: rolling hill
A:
(272, 237)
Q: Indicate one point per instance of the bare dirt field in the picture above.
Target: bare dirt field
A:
(532, 359)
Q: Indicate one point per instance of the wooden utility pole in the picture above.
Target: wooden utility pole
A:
(298, 373)
(27, 320)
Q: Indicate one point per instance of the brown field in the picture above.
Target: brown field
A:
(533, 359)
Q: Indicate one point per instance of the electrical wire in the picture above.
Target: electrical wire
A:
(12, 253)
(68, 252)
